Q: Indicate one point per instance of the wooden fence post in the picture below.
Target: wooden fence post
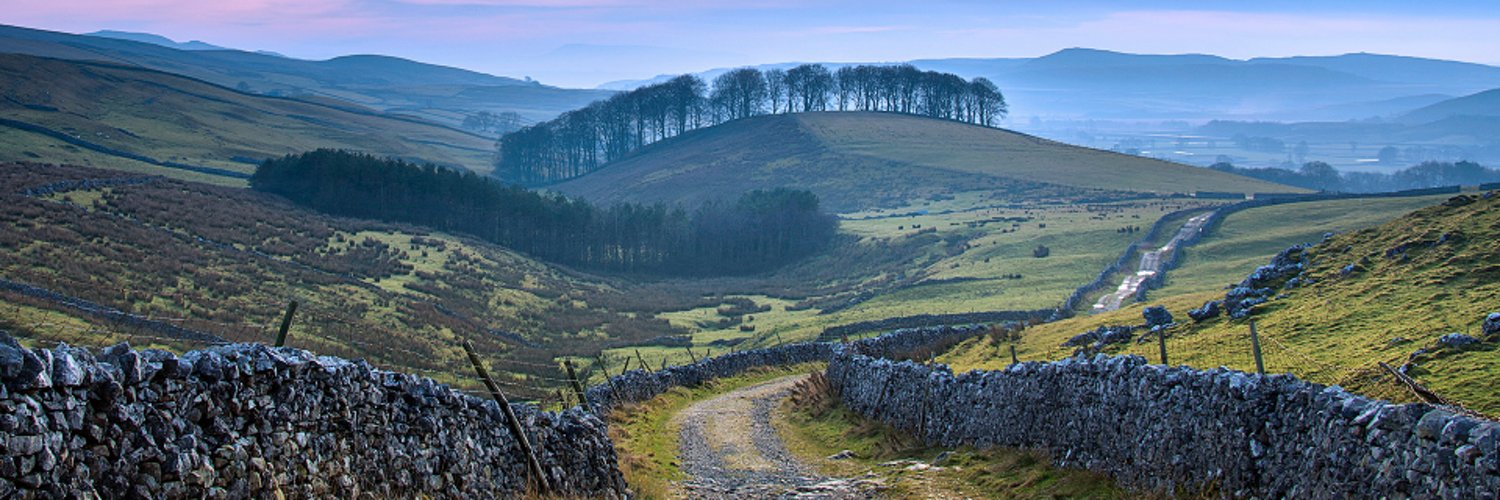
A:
(1260, 366)
(690, 354)
(625, 368)
(604, 371)
(510, 420)
(644, 364)
(1161, 341)
(286, 323)
(1013, 358)
(583, 400)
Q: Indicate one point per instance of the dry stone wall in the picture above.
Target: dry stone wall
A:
(1154, 427)
(248, 421)
(640, 385)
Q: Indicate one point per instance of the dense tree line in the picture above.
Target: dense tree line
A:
(1323, 177)
(759, 231)
(581, 141)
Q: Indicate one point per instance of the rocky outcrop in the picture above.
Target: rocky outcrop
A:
(1102, 336)
(248, 421)
(1160, 428)
(1283, 272)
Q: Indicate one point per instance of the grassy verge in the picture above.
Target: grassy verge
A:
(814, 426)
(646, 437)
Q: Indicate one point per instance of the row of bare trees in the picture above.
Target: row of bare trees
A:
(583, 140)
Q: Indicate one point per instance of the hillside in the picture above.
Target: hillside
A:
(1374, 295)
(113, 115)
(388, 84)
(858, 160)
(1483, 104)
(170, 255)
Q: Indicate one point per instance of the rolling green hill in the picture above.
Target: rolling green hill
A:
(858, 160)
(1376, 295)
(110, 115)
(388, 84)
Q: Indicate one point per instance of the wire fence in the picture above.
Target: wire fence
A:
(1332, 363)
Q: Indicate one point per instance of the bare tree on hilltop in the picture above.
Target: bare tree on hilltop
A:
(583, 140)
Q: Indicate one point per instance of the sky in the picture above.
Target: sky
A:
(583, 43)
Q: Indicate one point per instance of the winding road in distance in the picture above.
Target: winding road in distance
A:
(1150, 265)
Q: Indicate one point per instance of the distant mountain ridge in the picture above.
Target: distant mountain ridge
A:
(155, 39)
(390, 84)
(1082, 83)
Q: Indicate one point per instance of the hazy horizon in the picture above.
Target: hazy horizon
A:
(585, 43)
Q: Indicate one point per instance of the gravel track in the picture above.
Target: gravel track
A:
(730, 449)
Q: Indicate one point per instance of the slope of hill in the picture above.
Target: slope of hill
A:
(225, 262)
(1484, 104)
(384, 83)
(1383, 294)
(857, 160)
(55, 109)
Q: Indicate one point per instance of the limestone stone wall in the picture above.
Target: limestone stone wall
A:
(1154, 427)
(248, 421)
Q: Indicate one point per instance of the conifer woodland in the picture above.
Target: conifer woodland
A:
(758, 231)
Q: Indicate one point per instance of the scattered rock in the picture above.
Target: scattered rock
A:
(1156, 316)
(1459, 201)
(1456, 341)
(1104, 335)
(842, 455)
(1209, 310)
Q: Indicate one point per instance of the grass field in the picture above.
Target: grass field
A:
(955, 146)
(1336, 330)
(173, 118)
(969, 263)
(856, 161)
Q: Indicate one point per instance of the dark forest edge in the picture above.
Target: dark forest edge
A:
(758, 232)
(581, 141)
